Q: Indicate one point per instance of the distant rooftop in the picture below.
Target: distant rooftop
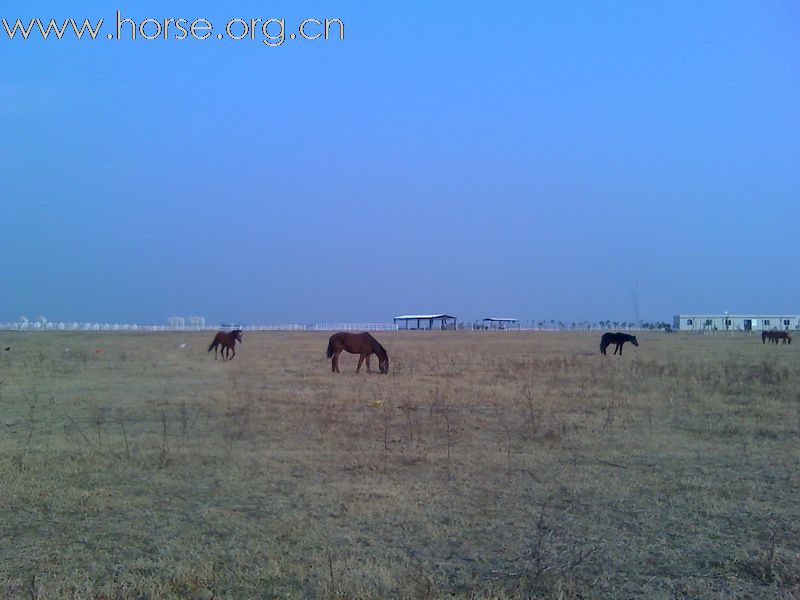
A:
(501, 319)
(736, 315)
(421, 317)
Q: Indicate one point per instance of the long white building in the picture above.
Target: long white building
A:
(736, 322)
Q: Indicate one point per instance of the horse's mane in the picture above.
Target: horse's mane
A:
(376, 347)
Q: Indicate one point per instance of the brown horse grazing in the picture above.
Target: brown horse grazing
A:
(228, 343)
(357, 343)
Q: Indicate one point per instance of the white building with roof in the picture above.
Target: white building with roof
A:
(426, 321)
(501, 323)
(736, 322)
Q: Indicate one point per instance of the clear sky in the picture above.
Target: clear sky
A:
(525, 159)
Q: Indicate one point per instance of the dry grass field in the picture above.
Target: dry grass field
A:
(485, 465)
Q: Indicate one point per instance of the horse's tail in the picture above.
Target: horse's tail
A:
(603, 344)
(329, 352)
(212, 346)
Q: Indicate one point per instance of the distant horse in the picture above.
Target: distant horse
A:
(616, 338)
(781, 335)
(357, 343)
(228, 343)
(775, 337)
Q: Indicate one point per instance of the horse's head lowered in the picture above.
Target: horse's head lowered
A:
(633, 340)
(383, 366)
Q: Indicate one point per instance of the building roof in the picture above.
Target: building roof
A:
(736, 315)
(501, 319)
(423, 317)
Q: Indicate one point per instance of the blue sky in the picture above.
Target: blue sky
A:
(534, 160)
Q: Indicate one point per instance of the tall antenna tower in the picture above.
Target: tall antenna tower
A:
(635, 295)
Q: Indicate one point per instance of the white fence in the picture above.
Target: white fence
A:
(74, 326)
(48, 326)
(352, 327)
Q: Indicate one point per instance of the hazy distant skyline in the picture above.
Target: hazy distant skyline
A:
(516, 159)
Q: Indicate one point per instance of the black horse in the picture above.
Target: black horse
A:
(776, 337)
(616, 338)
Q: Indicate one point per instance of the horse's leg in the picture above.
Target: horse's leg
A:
(360, 360)
(335, 361)
(369, 370)
(233, 350)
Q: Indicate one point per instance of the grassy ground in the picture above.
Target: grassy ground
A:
(486, 465)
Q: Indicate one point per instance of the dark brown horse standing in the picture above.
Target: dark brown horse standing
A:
(776, 336)
(618, 339)
(357, 343)
(228, 343)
